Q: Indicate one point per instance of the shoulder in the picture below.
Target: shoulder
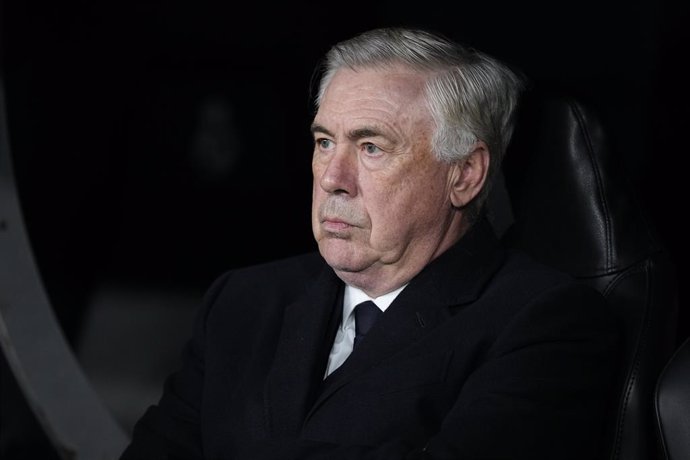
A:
(519, 268)
(289, 268)
(540, 293)
(275, 283)
(286, 273)
(524, 285)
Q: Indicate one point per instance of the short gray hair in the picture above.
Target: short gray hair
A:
(471, 95)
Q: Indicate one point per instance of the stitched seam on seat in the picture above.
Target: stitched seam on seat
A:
(642, 339)
(577, 112)
(657, 414)
(641, 266)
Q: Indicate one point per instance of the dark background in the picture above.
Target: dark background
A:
(157, 144)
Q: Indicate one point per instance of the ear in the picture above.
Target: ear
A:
(468, 176)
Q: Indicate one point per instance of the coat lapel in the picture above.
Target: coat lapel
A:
(455, 278)
(308, 330)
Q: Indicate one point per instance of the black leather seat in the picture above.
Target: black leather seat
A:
(672, 405)
(571, 208)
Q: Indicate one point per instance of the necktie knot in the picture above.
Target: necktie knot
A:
(366, 314)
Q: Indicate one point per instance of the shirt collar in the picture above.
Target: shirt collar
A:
(354, 296)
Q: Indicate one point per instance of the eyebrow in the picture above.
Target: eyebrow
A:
(317, 128)
(355, 134)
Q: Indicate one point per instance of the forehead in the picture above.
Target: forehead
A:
(388, 95)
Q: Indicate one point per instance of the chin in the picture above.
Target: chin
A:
(340, 254)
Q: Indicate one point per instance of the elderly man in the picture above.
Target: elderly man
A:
(411, 333)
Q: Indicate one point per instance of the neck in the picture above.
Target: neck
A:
(382, 278)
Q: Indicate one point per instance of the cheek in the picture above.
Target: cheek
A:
(317, 170)
(409, 207)
(388, 213)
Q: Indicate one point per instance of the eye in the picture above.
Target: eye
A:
(370, 149)
(324, 144)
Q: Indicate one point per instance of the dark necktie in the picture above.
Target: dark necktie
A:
(366, 314)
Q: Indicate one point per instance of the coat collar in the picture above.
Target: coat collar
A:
(459, 275)
(308, 329)
(455, 278)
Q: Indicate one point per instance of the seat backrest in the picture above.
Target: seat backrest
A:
(672, 405)
(571, 208)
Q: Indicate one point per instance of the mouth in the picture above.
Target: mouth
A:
(335, 225)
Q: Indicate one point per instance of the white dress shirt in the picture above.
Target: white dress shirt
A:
(344, 338)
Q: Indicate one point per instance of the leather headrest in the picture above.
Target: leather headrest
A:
(570, 202)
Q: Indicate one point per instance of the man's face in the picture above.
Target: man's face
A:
(381, 207)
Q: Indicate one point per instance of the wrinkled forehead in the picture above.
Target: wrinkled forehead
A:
(395, 89)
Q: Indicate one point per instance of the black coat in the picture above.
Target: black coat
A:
(485, 354)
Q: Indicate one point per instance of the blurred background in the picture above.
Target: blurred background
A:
(157, 144)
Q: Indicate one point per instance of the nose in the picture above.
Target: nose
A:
(340, 173)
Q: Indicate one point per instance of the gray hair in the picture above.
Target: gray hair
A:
(471, 95)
